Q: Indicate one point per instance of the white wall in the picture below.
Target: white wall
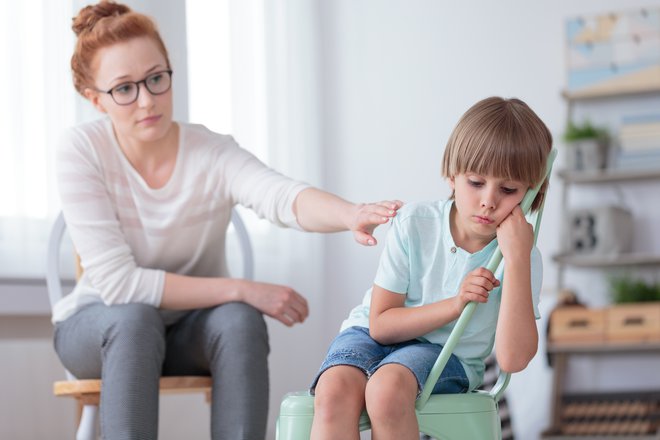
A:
(397, 76)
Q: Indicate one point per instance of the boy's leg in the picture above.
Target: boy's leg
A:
(340, 384)
(398, 379)
(390, 400)
(338, 403)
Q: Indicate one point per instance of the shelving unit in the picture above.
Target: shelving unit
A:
(611, 90)
(584, 416)
(586, 411)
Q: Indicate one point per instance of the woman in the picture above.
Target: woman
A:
(147, 201)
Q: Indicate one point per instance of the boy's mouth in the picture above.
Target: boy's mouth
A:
(483, 220)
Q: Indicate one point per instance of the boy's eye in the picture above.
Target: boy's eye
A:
(475, 183)
(506, 190)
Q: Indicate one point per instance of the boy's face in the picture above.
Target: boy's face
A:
(482, 203)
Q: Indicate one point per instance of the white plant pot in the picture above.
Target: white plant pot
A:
(587, 154)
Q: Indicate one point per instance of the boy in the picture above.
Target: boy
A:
(431, 268)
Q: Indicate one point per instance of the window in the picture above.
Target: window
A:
(226, 61)
(37, 104)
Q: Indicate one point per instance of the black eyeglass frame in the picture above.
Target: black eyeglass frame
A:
(137, 86)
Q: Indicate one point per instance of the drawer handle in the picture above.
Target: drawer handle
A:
(637, 320)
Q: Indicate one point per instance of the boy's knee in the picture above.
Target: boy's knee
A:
(388, 389)
(340, 387)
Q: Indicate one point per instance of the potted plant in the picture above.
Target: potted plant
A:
(627, 290)
(588, 146)
(635, 316)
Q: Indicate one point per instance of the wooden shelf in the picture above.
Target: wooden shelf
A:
(607, 176)
(596, 261)
(632, 89)
(604, 347)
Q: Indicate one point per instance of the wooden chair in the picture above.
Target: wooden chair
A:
(87, 392)
(471, 416)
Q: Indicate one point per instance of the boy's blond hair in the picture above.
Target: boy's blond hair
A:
(503, 138)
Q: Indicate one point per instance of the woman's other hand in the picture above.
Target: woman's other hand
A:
(279, 302)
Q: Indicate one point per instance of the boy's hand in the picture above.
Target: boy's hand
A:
(476, 286)
(368, 216)
(515, 236)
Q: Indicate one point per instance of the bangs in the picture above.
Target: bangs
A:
(503, 157)
(502, 144)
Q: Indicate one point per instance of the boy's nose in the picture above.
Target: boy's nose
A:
(488, 200)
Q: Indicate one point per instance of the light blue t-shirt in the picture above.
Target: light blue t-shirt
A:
(421, 261)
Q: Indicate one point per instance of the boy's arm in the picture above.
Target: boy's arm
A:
(391, 322)
(517, 337)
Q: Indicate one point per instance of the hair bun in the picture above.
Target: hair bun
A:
(92, 14)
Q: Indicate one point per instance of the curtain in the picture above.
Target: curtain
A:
(35, 85)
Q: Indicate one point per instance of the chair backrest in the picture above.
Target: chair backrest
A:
(54, 282)
(469, 309)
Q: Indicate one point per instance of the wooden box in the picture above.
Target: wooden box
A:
(577, 325)
(636, 322)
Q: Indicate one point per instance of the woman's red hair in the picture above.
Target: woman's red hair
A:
(102, 25)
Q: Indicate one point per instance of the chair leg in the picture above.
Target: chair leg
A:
(88, 427)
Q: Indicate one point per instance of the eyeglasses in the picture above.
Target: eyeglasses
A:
(127, 93)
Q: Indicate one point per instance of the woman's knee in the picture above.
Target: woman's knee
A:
(240, 321)
(238, 329)
(137, 325)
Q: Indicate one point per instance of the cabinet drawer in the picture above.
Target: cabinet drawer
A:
(577, 325)
(633, 322)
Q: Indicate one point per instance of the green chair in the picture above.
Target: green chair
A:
(471, 415)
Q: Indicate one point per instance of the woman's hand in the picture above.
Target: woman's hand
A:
(515, 236)
(368, 216)
(279, 302)
(476, 286)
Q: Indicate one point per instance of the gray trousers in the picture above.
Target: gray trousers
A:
(129, 348)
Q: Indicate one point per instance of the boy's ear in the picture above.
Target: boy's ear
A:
(451, 182)
(93, 97)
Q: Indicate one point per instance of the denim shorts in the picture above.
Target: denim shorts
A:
(355, 347)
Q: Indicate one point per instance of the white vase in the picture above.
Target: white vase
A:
(587, 154)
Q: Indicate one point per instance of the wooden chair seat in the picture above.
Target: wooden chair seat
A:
(88, 391)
